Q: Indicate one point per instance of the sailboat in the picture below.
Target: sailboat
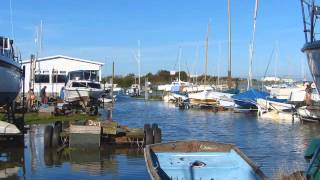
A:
(205, 97)
(248, 99)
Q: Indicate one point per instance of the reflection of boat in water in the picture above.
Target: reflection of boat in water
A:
(11, 162)
(10, 72)
(8, 172)
(82, 85)
(199, 160)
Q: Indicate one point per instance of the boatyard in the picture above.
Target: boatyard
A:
(171, 106)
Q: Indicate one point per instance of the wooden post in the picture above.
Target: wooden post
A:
(146, 97)
(110, 112)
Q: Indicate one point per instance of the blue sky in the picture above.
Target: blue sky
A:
(101, 30)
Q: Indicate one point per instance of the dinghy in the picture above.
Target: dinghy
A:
(199, 160)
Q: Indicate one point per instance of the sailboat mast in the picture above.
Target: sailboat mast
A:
(206, 57)
(218, 70)
(276, 60)
(179, 59)
(229, 45)
(252, 45)
(139, 59)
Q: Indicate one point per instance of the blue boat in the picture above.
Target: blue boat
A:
(248, 99)
(199, 160)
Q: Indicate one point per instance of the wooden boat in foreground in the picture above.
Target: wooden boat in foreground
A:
(199, 160)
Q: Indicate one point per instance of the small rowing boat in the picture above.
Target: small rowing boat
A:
(199, 160)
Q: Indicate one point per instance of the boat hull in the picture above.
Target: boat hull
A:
(309, 114)
(245, 104)
(312, 50)
(278, 106)
(77, 94)
(199, 160)
(10, 80)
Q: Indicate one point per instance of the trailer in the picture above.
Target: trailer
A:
(94, 134)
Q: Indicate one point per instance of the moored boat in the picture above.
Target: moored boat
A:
(309, 114)
(248, 99)
(199, 160)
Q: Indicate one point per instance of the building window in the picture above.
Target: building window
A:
(42, 78)
(59, 78)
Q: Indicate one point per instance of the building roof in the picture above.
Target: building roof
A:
(65, 57)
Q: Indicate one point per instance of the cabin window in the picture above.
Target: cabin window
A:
(78, 84)
(63, 72)
(94, 85)
(42, 78)
(59, 78)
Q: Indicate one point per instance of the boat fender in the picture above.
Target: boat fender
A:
(198, 164)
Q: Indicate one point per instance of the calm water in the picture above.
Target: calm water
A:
(271, 144)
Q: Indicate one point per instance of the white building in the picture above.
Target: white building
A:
(271, 78)
(52, 71)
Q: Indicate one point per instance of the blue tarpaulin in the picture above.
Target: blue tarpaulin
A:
(252, 94)
(248, 98)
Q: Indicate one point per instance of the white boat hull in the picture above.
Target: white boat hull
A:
(278, 106)
(77, 94)
(309, 112)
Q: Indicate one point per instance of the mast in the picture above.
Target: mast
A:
(179, 59)
(139, 60)
(229, 46)
(252, 45)
(276, 60)
(197, 60)
(218, 70)
(206, 57)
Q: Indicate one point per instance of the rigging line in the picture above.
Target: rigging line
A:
(271, 57)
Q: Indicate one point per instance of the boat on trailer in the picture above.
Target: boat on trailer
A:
(199, 160)
(10, 72)
(82, 85)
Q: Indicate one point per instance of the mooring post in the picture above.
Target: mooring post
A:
(146, 89)
(23, 91)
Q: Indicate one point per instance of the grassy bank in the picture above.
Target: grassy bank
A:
(37, 118)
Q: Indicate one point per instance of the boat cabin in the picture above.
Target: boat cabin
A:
(86, 75)
(6, 47)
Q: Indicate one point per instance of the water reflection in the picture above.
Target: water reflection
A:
(11, 163)
(272, 145)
